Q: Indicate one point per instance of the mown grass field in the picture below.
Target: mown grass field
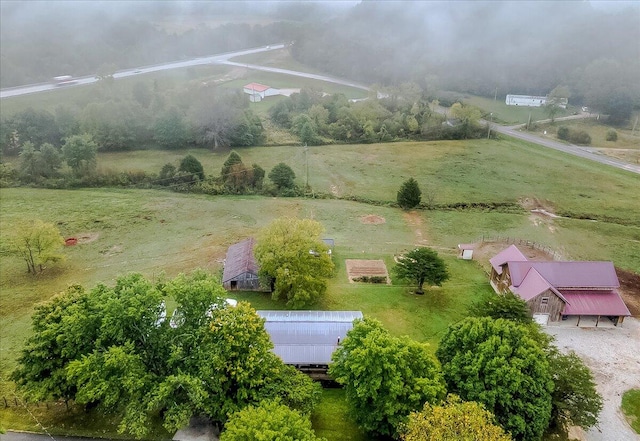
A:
(156, 232)
(631, 408)
(508, 115)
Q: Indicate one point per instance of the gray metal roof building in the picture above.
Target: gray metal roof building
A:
(307, 338)
(240, 267)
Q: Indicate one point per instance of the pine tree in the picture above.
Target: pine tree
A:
(409, 195)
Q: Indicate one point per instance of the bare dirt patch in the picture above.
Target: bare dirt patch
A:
(486, 250)
(358, 268)
(630, 290)
(533, 203)
(84, 238)
(414, 220)
(372, 219)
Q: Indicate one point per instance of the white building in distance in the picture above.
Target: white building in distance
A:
(534, 101)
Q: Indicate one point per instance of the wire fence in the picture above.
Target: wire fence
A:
(522, 242)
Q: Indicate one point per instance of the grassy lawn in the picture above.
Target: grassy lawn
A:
(511, 114)
(460, 171)
(330, 418)
(631, 408)
(125, 226)
(626, 147)
(159, 232)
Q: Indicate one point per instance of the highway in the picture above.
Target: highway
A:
(216, 59)
(583, 152)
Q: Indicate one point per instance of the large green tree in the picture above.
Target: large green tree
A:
(455, 420)
(421, 265)
(282, 176)
(575, 400)
(80, 153)
(409, 195)
(114, 347)
(190, 164)
(170, 130)
(385, 377)
(294, 260)
(37, 243)
(39, 163)
(498, 364)
(507, 306)
(268, 421)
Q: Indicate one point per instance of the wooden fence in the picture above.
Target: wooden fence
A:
(522, 242)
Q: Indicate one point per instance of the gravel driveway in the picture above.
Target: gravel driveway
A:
(613, 355)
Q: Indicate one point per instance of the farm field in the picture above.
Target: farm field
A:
(156, 232)
(159, 232)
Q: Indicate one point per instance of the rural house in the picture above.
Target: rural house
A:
(240, 268)
(307, 339)
(525, 100)
(257, 92)
(560, 290)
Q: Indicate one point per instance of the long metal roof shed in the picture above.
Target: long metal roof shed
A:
(307, 337)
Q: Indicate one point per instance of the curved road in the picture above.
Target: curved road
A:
(572, 149)
(513, 131)
(219, 58)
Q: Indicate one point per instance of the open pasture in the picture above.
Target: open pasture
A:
(163, 233)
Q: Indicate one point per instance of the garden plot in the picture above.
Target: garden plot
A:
(357, 268)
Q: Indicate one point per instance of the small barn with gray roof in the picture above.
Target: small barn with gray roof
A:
(558, 290)
(307, 339)
(240, 268)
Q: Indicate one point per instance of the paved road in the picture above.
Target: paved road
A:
(219, 58)
(297, 74)
(514, 131)
(583, 152)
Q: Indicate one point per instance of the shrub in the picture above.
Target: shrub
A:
(371, 279)
(563, 133)
(612, 135)
(579, 137)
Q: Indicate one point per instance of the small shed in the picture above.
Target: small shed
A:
(466, 250)
(240, 268)
(307, 339)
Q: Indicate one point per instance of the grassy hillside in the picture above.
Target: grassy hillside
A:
(159, 232)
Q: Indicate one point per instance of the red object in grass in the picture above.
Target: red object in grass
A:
(70, 241)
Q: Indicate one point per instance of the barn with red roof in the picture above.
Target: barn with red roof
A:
(558, 290)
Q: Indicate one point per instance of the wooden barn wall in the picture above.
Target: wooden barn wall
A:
(501, 281)
(245, 282)
(554, 307)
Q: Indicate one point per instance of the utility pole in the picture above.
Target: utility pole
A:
(306, 161)
(495, 97)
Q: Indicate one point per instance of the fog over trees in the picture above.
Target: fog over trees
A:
(484, 48)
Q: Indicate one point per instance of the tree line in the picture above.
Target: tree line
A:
(488, 57)
(495, 375)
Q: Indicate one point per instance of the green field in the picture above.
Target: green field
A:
(509, 115)
(158, 232)
(631, 408)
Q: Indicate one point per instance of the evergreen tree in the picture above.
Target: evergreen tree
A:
(409, 195)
